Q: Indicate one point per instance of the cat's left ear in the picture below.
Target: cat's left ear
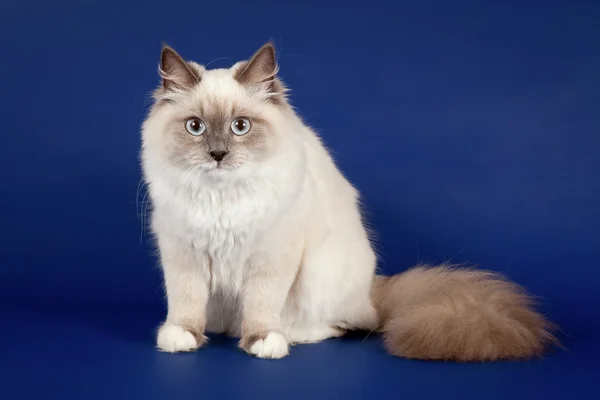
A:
(261, 68)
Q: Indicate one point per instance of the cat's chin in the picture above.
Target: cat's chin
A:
(220, 171)
(218, 167)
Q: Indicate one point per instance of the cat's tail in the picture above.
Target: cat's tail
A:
(447, 313)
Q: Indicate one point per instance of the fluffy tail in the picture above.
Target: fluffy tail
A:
(444, 313)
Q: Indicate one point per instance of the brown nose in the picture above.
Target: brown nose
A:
(218, 155)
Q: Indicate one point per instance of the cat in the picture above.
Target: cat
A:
(261, 236)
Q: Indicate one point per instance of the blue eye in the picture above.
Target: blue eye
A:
(195, 126)
(240, 126)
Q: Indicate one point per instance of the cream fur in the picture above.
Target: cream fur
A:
(272, 250)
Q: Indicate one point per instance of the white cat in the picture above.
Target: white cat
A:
(261, 236)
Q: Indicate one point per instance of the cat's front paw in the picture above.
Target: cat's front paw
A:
(174, 338)
(268, 345)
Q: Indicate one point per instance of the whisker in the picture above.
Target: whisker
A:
(137, 196)
(372, 330)
(144, 215)
(217, 59)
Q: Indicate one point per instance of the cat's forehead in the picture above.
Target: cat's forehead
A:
(218, 91)
(218, 80)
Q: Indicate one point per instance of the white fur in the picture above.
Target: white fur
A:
(275, 246)
(275, 345)
(173, 338)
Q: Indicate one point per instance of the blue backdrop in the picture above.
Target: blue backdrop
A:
(471, 128)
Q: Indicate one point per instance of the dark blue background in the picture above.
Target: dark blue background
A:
(471, 128)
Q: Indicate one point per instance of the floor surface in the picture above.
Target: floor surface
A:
(110, 355)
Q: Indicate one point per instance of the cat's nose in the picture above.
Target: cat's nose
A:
(218, 155)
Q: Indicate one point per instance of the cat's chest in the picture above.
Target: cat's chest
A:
(225, 224)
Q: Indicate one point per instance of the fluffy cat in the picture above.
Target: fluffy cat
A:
(261, 236)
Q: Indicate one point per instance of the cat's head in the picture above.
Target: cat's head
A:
(219, 121)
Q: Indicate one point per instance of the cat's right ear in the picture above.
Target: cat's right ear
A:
(175, 72)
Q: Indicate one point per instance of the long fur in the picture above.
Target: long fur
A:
(268, 244)
(449, 313)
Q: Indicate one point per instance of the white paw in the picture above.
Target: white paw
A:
(173, 338)
(274, 345)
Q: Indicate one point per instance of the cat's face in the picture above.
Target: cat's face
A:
(216, 121)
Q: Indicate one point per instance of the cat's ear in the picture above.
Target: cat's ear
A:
(262, 67)
(175, 72)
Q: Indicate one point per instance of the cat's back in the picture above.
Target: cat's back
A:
(332, 188)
